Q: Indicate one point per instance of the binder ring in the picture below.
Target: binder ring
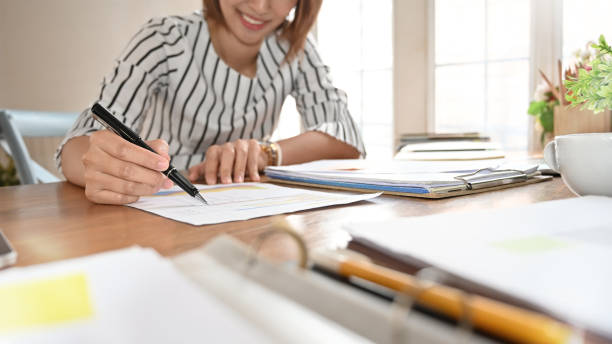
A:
(465, 321)
(402, 307)
(404, 302)
(465, 325)
(280, 226)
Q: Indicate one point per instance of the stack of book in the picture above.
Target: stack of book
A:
(459, 146)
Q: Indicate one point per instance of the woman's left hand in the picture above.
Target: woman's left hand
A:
(231, 162)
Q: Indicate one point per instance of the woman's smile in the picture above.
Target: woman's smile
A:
(251, 22)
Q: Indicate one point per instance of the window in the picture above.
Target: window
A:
(359, 54)
(481, 68)
(480, 60)
(584, 21)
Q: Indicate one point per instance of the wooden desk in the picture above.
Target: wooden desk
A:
(49, 222)
(55, 221)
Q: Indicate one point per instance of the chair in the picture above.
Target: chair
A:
(15, 124)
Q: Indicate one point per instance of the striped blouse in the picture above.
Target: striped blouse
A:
(170, 83)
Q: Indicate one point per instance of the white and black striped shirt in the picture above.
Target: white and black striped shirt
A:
(170, 83)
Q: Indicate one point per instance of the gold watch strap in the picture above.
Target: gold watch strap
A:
(273, 152)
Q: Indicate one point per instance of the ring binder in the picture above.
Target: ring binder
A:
(348, 307)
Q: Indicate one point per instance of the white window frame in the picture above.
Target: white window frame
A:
(411, 70)
(546, 48)
(413, 58)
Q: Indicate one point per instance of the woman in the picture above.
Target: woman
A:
(206, 92)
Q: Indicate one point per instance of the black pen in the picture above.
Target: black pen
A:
(107, 119)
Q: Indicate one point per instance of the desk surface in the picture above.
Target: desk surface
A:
(49, 222)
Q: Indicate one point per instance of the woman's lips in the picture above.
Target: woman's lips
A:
(251, 23)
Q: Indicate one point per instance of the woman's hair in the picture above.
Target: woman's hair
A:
(294, 32)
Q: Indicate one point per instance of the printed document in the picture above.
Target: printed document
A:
(234, 202)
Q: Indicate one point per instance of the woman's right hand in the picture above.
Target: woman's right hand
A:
(119, 172)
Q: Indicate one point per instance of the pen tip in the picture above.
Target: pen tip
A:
(198, 196)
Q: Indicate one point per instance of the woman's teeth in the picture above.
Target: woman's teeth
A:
(251, 20)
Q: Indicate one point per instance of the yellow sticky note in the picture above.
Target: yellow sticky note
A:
(44, 302)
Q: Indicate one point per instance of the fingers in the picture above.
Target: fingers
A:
(161, 147)
(211, 164)
(125, 170)
(196, 172)
(241, 148)
(121, 149)
(227, 163)
(107, 189)
(109, 197)
(253, 159)
(118, 172)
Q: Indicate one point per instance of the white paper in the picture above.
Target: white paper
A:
(233, 202)
(348, 166)
(450, 145)
(424, 175)
(285, 320)
(555, 254)
(450, 150)
(138, 297)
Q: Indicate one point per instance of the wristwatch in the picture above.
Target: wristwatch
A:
(273, 152)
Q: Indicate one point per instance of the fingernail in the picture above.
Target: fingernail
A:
(161, 164)
(239, 179)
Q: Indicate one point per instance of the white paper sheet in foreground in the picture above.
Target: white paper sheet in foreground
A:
(131, 295)
(233, 202)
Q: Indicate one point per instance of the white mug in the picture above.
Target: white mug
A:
(584, 162)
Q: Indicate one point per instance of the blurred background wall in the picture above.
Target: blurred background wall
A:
(54, 54)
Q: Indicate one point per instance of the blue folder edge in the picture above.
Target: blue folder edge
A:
(352, 185)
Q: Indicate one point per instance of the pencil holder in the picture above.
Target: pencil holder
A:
(574, 120)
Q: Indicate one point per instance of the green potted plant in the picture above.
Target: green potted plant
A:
(542, 108)
(587, 81)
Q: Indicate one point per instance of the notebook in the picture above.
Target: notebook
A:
(417, 179)
(550, 256)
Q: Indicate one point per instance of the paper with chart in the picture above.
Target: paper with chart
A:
(234, 202)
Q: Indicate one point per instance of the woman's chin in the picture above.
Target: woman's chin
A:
(249, 38)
